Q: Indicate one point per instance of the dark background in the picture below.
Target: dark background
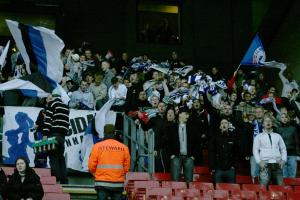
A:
(213, 33)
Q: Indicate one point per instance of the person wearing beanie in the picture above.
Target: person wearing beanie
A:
(56, 124)
(109, 162)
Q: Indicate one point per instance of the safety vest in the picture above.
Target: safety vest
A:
(109, 162)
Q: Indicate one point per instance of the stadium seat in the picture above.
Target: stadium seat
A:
(8, 170)
(48, 180)
(202, 174)
(135, 176)
(176, 198)
(53, 189)
(54, 196)
(228, 186)
(202, 178)
(291, 181)
(161, 176)
(274, 195)
(243, 179)
(294, 196)
(297, 188)
(254, 187)
(173, 184)
(245, 195)
(187, 192)
(43, 171)
(158, 192)
(139, 191)
(201, 170)
(249, 195)
(203, 187)
(220, 194)
(285, 189)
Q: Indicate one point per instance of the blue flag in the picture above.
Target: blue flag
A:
(255, 54)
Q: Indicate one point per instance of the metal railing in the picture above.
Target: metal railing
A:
(141, 145)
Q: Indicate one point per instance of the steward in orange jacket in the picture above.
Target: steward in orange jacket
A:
(109, 162)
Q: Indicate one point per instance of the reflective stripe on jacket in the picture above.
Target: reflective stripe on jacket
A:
(109, 161)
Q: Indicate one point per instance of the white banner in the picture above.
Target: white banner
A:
(18, 138)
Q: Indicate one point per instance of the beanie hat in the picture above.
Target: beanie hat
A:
(109, 129)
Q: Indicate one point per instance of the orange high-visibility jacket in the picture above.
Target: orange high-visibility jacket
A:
(109, 161)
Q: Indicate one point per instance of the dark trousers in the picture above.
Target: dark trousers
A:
(179, 162)
(115, 193)
(57, 161)
(224, 176)
(161, 163)
(271, 172)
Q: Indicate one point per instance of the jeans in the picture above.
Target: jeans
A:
(57, 161)
(254, 167)
(161, 165)
(225, 176)
(179, 162)
(270, 172)
(290, 167)
(114, 193)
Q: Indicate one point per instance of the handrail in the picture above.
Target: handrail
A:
(141, 144)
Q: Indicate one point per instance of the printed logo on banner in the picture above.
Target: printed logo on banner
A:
(19, 138)
(259, 55)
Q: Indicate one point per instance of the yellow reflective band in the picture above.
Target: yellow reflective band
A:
(109, 166)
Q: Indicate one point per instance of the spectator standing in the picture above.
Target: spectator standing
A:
(117, 91)
(257, 129)
(270, 153)
(82, 98)
(24, 183)
(223, 154)
(181, 149)
(99, 90)
(199, 125)
(108, 75)
(56, 125)
(289, 134)
(288, 83)
(109, 162)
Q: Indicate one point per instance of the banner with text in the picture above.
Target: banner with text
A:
(18, 135)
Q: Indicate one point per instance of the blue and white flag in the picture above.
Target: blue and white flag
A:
(4, 54)
(40, 49)
(255, 54)
(102, 117)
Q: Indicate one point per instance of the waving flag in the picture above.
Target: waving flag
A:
(255, 54)
(96, 127)
(3, 55)
(40, 49)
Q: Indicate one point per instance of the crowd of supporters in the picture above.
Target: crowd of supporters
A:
(186, 107)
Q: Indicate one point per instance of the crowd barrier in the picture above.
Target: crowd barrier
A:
(141, 145)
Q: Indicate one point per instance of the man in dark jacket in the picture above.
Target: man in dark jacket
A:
(223, 149)
(56, 124)
(290, 136)
(181, 149)
(199, 127)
